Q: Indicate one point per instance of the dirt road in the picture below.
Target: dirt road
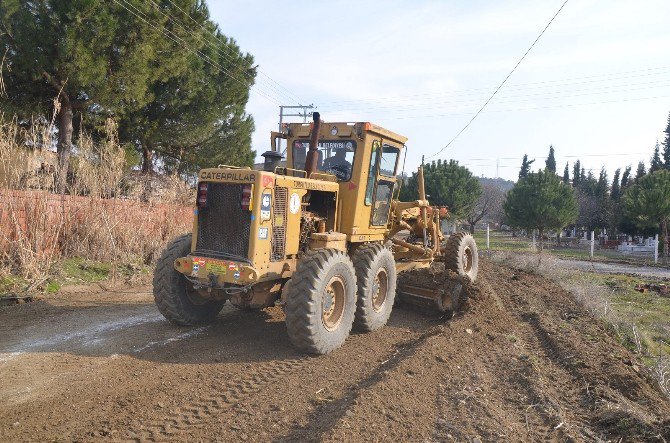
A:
(525, 363)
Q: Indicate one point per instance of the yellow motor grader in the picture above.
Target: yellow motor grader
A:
(324, 236)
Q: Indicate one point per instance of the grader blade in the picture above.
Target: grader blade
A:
(443, 296)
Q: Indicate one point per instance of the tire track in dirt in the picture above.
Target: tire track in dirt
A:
(326, 416)
(187, 418)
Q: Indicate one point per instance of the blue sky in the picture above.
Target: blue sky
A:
(596, 86)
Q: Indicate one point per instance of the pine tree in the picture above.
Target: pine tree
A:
(104, 58)
(641, 171)
(448, 184)
(576, 174)
(525, 166)
(566, 174)
(550, 163)
(540, 201)
(648, 204)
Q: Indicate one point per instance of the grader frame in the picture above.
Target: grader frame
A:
(324, 236)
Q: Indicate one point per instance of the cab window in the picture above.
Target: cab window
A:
(389, 161)
(334, 156)
(372, 173)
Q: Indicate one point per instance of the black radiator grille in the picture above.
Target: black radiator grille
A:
(223, 226)
(279, 225)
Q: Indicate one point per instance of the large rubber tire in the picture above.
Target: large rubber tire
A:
(461, 255)
(307, 302)
(170, 289)
(375, 271)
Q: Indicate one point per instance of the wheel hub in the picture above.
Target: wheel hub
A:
(333, 303)
(467, 259)
(379, 290)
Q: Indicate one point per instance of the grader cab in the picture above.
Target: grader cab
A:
(324, 236)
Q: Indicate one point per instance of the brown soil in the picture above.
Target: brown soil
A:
(523, 363)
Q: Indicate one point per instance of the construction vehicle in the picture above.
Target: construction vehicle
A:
(324, 236)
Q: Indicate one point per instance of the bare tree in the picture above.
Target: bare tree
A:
(488, 206)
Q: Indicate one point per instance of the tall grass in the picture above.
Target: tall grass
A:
(101, 214)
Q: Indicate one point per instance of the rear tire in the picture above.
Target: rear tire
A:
(461, 255)
(171, 289)
(321, 301)
(376, 276)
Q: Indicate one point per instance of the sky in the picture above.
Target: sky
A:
(596, 86)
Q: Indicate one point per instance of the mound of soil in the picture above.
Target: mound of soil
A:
(524, 362)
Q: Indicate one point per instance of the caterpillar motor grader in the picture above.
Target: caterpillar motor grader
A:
(324, 236)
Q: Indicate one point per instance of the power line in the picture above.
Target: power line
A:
(503, 82)
(567, 105)
(181, 42)
(623, 75)
(213, 44)
(554, 95)
(290, 95)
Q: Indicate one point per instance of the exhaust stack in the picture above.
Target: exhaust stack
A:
(312, 153)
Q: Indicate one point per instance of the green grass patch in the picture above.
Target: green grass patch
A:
(84, 270)
(648, 312)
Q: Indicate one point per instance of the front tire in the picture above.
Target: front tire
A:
(321, 301)
(174, 294)
(376, 275)
(461, 255)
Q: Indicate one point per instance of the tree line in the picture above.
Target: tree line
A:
(176, 86)
(633, 204)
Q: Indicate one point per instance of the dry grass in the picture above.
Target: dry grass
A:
(98, 216)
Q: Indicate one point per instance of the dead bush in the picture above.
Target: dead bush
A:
(94, 217)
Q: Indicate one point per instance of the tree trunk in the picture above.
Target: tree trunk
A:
(64, 147)
(540, 234)
(472, 228)
(147, 159)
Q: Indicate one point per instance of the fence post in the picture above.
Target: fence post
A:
(593, 241)
(488, 233)
(534, 247)
(656, 249)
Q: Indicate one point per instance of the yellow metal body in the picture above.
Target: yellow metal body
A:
(355, 219)
(359, 208)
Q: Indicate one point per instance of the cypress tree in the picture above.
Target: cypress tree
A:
(625, 179)
(641, 171)
(576, 174)
(615, 191)
(566, 174)
(656, 163)
(525, 167)
(666, 146)
(550, 163)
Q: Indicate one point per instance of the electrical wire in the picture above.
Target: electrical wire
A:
(288, 93)
(518, 98)
(623, 75)
(212, 43)
(503, 82)
(567, 105)
(180, 41)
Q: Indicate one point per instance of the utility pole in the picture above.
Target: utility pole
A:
(304, 114)
(497, 167)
